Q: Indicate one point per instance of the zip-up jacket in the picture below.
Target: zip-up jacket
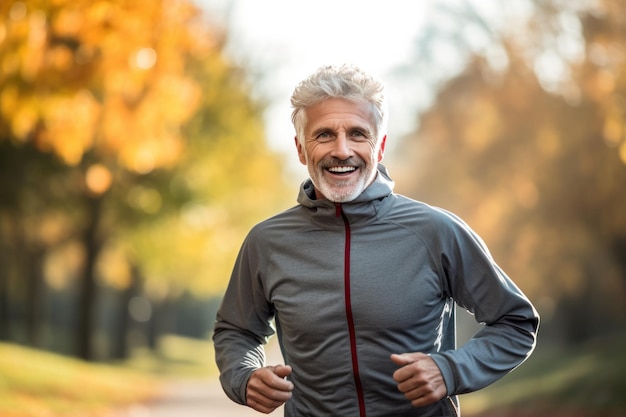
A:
(346, 285)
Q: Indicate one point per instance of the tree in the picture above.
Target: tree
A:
(104, 108)
(537, 165)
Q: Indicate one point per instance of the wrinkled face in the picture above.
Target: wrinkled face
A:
(340, 148)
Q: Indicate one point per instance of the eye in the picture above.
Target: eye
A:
(324, 136)
(359, 135)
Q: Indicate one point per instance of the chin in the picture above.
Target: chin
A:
(339, 192)
(341, 196)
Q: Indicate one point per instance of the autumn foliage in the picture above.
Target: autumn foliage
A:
(538, 166)
(106, 77)
(132, 160)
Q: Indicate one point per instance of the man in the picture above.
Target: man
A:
(361, 282)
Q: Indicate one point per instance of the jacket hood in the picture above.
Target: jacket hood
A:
(381, 187)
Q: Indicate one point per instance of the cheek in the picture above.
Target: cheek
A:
(373, 152)
(313, 151)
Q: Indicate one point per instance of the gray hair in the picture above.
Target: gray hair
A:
(345, 81)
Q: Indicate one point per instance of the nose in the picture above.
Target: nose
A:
(341, 147)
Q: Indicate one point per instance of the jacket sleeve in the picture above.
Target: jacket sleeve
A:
(472, 278)
(242, 327)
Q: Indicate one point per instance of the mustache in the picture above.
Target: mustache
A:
(336, 162)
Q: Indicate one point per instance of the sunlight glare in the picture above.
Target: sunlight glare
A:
(17, 11)
(145, 58)
(98, 179)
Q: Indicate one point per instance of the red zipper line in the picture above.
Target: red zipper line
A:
(349, 316)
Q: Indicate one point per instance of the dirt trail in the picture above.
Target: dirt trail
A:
(192, 399)
(200, 398)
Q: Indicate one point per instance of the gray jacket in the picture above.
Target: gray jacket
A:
(349, 284)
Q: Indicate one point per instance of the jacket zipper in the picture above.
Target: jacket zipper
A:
(349, 316)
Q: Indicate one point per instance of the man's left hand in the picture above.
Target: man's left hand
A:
(419, 378)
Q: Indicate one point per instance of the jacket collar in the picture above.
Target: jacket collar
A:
(366, 205)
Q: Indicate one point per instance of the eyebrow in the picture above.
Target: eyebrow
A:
(320, 130)
(366, 130)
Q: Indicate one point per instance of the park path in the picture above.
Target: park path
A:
(192, 398)
(200, 398)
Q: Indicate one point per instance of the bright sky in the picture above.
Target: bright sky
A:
(292, 38)
(286, 40)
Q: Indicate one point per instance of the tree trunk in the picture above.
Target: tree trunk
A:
(120, 332)
(161, 321)
(4, 303)
(6, 250)
(33, 270)
(88, 292)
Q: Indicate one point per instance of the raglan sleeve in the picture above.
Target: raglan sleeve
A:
(243, 324)
(473, 279)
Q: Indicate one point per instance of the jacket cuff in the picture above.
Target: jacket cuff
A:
(243, 389)
(446, 371)
(235, 386)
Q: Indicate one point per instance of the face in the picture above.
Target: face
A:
(340, 148)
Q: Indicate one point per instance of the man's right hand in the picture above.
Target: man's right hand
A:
(268, 389)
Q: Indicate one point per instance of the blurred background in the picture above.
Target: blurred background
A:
(139, 142)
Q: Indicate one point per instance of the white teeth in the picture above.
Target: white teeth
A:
(341, 169)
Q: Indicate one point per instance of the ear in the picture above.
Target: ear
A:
(300, 148)
(381, 150)
(301, 152)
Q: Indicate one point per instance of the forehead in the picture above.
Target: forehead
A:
(339, 112)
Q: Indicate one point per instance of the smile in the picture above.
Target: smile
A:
(341, 170)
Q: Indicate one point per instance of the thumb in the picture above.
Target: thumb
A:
(282, 370)
(407, 358)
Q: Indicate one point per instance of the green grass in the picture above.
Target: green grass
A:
(588, 379)
(36, 383)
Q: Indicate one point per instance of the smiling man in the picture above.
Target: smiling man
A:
(360, 283)
(340, 147)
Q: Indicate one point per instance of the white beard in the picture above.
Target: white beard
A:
(340, 191)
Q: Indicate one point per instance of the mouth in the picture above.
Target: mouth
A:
(341, 170)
